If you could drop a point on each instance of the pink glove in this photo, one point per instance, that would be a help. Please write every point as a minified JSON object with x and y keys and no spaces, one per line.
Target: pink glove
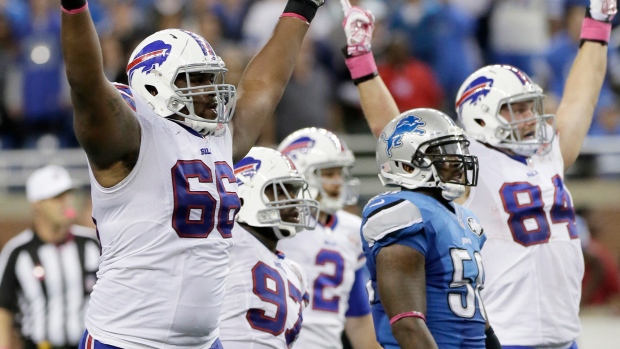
{"x":358,"y":25}
{"x":596,"y":25}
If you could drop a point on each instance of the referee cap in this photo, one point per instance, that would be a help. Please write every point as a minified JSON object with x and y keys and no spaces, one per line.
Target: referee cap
{"x":48,"y":182}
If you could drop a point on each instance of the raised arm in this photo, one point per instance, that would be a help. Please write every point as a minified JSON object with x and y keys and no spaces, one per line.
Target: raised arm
{"x":401,"y":281}
{"x":265,"y":78}
{"x":377,"y":102}
{"x":585,"y":80}
{"x":104,"y":124}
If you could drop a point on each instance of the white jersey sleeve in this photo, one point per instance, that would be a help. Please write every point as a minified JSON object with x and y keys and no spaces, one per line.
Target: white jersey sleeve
{"x":532,"y":256}
{"x":165,"y":236}
{"x":264,"y":297}
{"x":330,"y":256}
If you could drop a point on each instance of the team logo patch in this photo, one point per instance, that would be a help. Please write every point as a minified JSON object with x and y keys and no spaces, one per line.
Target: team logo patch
{"x":303,"y":145}
{"x":150,"y":57}
{"x":475,"y":226}
{"x":475,"y":91}
{"x":247,"y":167}
{"x":407,"y":125}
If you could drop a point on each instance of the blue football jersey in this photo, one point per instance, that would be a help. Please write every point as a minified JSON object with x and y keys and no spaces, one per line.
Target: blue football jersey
{"x":451,"y":243}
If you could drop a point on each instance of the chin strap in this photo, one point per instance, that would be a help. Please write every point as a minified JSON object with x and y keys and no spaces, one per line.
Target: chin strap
{"x":451,"y":191}
{"x":204,"y":128}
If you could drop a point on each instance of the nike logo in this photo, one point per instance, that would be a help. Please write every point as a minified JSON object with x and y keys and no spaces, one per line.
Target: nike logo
{"x":380,"y":202}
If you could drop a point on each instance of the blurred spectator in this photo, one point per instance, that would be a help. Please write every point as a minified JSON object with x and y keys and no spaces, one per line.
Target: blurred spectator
{"x":308,"y":99}
{"x":442,"y":35}
{"x":601,"y":280}
{"x":519,"y":33}
{"x":411,"y":82}
{"x":114,"y":63}
{"x":36,"y":89}
{"x":559,"y":58}
{"x":232,"y":14}
{"x":9,"y":131}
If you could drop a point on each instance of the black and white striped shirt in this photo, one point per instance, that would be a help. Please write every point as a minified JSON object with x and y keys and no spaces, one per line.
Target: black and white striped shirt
{"x":47,"y":286}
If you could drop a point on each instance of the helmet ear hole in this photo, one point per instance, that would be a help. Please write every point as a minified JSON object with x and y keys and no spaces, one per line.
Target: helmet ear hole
{"x":152,"y":90}
{"x":480,"y":122}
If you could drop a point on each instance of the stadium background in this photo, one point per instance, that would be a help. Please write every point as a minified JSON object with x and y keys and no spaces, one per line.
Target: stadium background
{"x":425,"y":49}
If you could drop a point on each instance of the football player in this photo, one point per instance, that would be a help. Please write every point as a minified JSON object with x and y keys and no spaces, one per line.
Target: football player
{"x":160,"y":153}
{"x":533,"y":256}
{"x":331,"y":254}
{"x":423,"y":250}
{"x":265,"y":291}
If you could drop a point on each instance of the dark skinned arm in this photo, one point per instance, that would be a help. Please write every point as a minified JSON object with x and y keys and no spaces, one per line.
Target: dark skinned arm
{"x":104,"y":124}
{"x":263,"y":82}
{"x":401,"y":280}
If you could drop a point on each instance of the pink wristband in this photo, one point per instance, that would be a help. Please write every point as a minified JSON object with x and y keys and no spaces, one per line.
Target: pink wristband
{"x":360,"y":66}
{"x":591,"y":29}
{"x":295,"y":15}
{"x":76,"y":11}
{"x":407,"y":314}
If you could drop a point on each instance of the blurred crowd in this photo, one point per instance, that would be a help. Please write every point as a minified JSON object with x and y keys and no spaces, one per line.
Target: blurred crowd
{"x":424,"y":49}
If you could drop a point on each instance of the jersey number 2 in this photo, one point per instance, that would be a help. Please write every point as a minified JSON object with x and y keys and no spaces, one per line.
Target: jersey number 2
{"x":323,"y":281}
{"x":528,"y":220}
{"x":195,"y":207}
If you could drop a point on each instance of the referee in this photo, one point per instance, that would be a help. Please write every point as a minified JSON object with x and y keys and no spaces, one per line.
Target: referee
{"x":47,"y":272}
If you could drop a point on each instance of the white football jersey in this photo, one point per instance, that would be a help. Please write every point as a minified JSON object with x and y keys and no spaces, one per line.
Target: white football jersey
{"x":532,"y":257}
{"x":264,"y":297}
{"x":165,"y":235}
{"x":330,"y":256}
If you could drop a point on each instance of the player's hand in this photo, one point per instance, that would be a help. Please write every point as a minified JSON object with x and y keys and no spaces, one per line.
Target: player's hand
{"x":602,"y":10}
{"x":358,"y":25}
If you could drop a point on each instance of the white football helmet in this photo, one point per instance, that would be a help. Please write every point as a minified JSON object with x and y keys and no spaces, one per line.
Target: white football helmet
{"x":415,"y":146}
{"x":157,"y":62}
{"x":265,"y":172}
{"x":480,"y":99}
{"x":314,"y":149}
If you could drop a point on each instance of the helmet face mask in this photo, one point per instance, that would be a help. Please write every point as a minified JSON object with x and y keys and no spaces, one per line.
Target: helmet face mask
{"x":335,"y":187}
{"x":326,"y":162}
{"x":525,"y":134}
{"x":449,"y":156}
{"x":170,"y":57}
{"x":423,"y":148}
{"x":494,"y":105}
{"x":274,"y":194}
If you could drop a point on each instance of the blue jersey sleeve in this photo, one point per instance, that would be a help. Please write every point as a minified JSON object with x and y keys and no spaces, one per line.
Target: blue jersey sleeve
{"x":393,"y":220}
{"x":358,"y":298}
{"x":413,"y":236}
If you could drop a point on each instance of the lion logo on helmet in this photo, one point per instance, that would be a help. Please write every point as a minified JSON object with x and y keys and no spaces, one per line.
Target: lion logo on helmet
{"x":407,"y":125}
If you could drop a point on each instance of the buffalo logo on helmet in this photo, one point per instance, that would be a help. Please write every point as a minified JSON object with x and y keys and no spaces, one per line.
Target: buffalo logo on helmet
{"x":475,"y":91}
{"x":303,"y":145}
{"x":247,"y":167}
{"x":406,"y":125}
{"x":150,"y":57}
